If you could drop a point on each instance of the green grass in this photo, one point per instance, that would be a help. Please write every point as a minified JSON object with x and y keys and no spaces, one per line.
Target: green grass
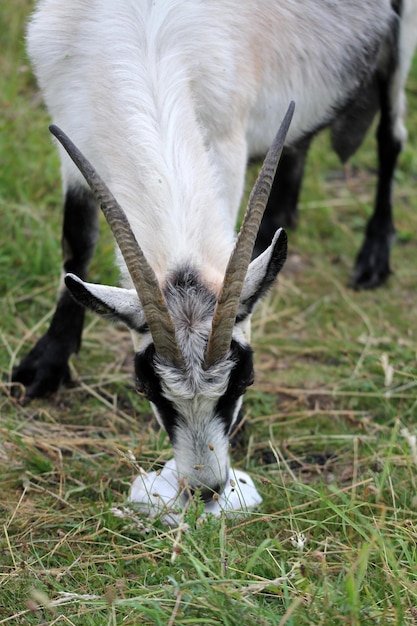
{"x":328,"y":440}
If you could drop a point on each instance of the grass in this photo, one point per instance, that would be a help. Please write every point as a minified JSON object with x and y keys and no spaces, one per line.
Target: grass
{"x":329,"y":440}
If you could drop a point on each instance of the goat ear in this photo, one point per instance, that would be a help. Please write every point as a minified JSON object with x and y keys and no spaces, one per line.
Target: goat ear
{"x":261,"y":274}
{"x":112,"y":303}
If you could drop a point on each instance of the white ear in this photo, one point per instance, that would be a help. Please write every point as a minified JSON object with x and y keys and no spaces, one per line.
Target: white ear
{"x":113,"y":303}
{"x":262,"y":273}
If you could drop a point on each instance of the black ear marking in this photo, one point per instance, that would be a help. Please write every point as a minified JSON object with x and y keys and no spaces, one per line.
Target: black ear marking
{"x":81,"y":294}
{"x":93,"y":297}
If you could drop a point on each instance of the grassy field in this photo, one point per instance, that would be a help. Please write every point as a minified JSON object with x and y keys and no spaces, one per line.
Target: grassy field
{"x":330,"y":435}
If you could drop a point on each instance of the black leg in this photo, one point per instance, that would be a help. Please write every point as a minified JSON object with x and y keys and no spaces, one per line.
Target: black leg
{"x":281,"y":209}
{"x":46,"y":365}
{"x":372,"y":266}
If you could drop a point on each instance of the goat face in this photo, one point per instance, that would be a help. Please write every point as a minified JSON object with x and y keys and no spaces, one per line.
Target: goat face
{"x":196,"y":404}
{"x":199,"y":422}
{"x":192,"y":359}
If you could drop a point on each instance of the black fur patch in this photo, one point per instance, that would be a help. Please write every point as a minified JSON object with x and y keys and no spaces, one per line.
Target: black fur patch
{"x":397,"y":6}
{"x":148,"y":383}
{"x":79,"y":231}
{"x":281,"y":209}
{"x":185,"y":278}
{"x":241,"y":377}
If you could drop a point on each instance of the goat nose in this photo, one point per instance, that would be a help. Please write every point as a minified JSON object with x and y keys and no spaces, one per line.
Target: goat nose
{"x":205,"y":493}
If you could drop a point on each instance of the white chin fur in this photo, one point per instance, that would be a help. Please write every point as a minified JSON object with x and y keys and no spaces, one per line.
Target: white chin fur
{"x":158,"y":493}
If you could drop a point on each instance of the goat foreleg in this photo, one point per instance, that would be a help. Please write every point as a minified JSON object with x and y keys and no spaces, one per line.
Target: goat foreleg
{"x":45,"y":367}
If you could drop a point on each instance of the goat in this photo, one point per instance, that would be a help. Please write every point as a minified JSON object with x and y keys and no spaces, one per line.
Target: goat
{"x":167,"y":99}
{"x":383,"y":90}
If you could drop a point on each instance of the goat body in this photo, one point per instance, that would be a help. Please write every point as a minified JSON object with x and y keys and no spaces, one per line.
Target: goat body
{"x":167,"y":99}
{"x":381,"y":90}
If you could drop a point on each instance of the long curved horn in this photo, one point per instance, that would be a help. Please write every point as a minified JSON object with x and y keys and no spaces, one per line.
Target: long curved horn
{"x":144,"y":279}
{"x":228,"y":300}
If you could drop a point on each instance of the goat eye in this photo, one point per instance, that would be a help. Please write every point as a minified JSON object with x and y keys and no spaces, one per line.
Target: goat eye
{"x":250,"y":380}
{"x":243,"y":385}
{"x":145,"y":388}
{"x":147,"y":382}
{"x":140,"y":387}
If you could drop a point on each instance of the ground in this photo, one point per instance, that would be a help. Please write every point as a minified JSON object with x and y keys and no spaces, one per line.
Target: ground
{"x":330,"y":427}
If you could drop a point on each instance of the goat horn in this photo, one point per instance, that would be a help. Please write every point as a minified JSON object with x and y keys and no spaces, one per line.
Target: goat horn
{"x":143,"y":276}
{"x":228,"y":300}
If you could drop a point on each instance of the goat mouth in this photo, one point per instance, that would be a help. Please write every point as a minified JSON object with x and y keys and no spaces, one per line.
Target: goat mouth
{"x":206,"y":494}
{"x":202,"y":491}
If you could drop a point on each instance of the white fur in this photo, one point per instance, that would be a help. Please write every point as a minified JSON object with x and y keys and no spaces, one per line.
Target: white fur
{"x":167,"y":98}
{"x":159,"y":493}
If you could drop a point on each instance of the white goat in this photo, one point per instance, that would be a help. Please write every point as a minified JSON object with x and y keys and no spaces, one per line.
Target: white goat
{"x":167,"y":98}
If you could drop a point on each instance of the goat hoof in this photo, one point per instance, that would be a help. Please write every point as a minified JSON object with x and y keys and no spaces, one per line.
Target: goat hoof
{"x":39,"y":381}
{"x":372,"y":267}
{"x":369,"y":277}
{"x":41,"y":371}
